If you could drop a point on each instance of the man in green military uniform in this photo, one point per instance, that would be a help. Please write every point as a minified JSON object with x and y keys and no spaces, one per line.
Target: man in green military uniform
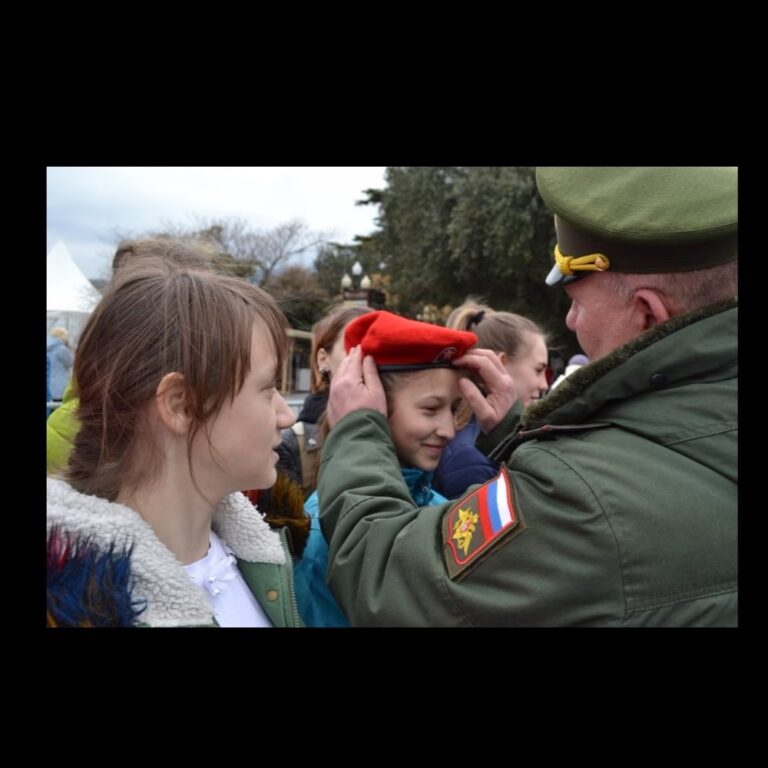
{"x":616,"y":502}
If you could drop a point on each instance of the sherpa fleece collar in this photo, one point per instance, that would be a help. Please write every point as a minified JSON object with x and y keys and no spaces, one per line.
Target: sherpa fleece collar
{"x":172,"y":598}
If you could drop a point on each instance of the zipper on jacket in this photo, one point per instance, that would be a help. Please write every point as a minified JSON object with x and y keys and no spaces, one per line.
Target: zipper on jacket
{"x":289,"y":573}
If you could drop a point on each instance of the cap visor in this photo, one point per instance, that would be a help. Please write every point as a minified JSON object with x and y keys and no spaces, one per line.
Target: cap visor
{"x":556,"y":277}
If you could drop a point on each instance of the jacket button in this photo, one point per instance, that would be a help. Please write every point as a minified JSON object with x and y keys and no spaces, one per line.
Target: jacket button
{"x":272,"y":595}
{"x":658,"y":379}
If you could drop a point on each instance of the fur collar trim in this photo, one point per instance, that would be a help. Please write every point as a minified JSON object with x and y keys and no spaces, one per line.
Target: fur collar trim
{"x":172,"y":598}
{"x":243,"y":528}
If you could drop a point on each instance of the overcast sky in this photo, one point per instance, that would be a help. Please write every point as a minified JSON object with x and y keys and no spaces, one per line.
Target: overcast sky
{"x":86,"y":206}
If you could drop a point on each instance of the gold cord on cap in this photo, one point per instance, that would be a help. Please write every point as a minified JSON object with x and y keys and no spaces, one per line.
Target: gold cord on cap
{"x":592,"y":262}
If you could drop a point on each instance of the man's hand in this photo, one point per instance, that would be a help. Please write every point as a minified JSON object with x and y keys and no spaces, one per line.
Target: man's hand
{"x":492,"y":409}
{"x":355,"y":385}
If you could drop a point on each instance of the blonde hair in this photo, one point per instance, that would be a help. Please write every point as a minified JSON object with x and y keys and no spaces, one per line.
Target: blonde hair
{"x":157,"y":318}
{"x":183,"y":253}
{"x":60,"y":333}
{"x":497,"y":331}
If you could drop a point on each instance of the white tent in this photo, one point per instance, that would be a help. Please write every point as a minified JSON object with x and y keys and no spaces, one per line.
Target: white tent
{"x":70,"y":295}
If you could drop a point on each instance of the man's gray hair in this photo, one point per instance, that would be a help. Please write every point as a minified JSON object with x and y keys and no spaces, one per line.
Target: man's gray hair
{"x":684,"y":291}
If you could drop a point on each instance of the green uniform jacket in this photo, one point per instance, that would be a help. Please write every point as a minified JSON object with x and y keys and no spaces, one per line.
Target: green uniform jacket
{"x":624,"y":483}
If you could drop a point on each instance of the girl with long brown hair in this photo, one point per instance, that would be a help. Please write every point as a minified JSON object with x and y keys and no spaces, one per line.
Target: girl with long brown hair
{"x":176,"y":372}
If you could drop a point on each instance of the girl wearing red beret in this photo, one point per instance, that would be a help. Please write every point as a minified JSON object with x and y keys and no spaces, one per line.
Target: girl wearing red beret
{"x":423,"y":397}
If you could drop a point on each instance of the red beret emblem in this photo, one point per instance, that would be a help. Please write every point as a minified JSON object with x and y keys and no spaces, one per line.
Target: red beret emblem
{"x":447,"y":354}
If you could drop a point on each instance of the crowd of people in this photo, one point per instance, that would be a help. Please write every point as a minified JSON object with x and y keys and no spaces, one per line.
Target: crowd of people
{"x":433,"y":477}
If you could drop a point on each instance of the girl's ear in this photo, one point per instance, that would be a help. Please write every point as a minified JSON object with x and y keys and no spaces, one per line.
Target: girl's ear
{"x":322,"y":360}
{"x":171,"y":401}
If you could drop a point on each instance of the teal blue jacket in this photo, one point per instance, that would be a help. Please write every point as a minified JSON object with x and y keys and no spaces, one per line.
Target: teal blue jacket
{"x":624,"y":494}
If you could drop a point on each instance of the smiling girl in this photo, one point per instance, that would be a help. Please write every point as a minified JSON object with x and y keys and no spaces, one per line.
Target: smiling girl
{"x":423,"y":397}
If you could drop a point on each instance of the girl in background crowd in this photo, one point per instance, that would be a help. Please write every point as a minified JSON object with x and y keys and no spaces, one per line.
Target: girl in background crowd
{"x":327,"y":354}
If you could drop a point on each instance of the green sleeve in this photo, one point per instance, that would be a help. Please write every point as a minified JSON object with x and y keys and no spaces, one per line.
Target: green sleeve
{"x":560,"y":566}
{"x":385,"y":563}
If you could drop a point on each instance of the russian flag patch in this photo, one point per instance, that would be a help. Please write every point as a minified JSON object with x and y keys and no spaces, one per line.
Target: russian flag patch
{"x":475,"y":523}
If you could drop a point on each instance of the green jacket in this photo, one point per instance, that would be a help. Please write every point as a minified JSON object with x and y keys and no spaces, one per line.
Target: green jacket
{"x":623,"y":484}
{"x":62,"y":427}
{"x":273,"y":586}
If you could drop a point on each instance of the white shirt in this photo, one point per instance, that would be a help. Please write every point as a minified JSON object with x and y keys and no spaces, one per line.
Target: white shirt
{"x":220,"y":580}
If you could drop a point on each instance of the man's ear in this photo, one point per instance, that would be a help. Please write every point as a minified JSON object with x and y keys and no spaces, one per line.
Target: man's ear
{"x":650,"y":308}
{"x":171,"y":401}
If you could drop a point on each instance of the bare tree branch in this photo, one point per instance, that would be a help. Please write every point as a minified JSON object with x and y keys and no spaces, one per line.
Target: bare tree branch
{"x":256,"y":254}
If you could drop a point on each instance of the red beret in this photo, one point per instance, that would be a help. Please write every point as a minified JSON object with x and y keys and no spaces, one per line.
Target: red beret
{"x":399,"y":344}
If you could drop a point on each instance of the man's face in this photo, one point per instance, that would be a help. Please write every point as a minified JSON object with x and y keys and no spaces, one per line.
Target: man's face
{"x":601,"y":320}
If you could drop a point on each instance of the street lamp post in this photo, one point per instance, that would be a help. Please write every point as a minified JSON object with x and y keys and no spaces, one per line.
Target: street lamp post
{"x":357,"y":291}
